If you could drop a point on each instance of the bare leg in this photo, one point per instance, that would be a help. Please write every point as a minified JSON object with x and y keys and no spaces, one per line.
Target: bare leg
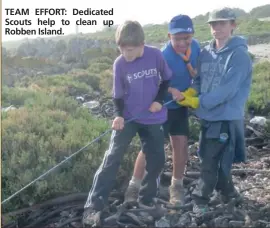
{"x":132,"y":192}
{"x":139,"y":167}
{"x":180,"y":155}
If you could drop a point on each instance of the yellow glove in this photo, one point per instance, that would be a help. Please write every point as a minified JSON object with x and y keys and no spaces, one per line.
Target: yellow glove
{"x":190,"y":92}
{"x":192,"y":102}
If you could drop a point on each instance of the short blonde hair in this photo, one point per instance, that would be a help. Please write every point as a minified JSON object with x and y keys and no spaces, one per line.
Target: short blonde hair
{"x":130,"y":33}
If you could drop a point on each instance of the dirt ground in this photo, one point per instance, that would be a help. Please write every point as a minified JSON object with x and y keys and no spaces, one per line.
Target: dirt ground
{"x":251,"y":179}
{"x":261,"y":51}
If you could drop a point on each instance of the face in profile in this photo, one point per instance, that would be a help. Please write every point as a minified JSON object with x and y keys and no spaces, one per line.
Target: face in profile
{"x":181,"y":41}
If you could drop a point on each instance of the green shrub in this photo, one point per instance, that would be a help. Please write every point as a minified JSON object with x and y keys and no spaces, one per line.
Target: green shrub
{"x":37,"y":138}
{"x":260,"y":91}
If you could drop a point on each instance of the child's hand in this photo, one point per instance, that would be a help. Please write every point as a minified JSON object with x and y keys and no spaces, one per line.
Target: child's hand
{"x":155,"y":107}
{"x":118,"y":123}
{"x":176,"y":94}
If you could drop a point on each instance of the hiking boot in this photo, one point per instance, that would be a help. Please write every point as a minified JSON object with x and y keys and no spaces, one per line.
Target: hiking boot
{"x":177,"y":194}
{"x":235,"y":195}
{"x":218,"y":197}
{"x":200,"y":209}
{"x":132,"y":193}
{"x":90,"y":217}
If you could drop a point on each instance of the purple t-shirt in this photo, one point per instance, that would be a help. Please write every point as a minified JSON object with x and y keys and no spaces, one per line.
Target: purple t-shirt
{"x":137,"y":82}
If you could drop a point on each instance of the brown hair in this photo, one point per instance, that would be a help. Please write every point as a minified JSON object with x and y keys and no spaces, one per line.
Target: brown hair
{"x":130,"y":33}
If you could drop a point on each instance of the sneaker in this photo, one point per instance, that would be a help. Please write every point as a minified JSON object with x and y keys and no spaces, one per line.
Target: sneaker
{"x":200,"y":209}
{"x":177,"y":194}
{"x":90,"y":217}
{"x":132,"y":193}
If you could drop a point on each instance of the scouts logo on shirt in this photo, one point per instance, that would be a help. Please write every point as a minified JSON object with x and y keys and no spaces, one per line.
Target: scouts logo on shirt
{"x":142,"y":74}
{"x":129,"y":77}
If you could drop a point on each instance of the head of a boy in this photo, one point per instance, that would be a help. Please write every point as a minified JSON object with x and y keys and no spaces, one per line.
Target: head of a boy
{"x":222,"y":23}
{"x":130,"y":38}
{"x":180,"y":33}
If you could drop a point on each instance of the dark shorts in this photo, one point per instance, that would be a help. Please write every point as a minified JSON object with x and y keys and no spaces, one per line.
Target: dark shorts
{"x":177,"y":122}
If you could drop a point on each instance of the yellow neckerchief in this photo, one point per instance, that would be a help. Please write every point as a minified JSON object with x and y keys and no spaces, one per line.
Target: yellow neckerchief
{"x":186,"y":57}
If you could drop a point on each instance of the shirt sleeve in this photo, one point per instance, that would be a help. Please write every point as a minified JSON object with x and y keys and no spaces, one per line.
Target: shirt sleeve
{"x":163,"y":90}
{"x":118,"y":107}
{"x":118,"y":83}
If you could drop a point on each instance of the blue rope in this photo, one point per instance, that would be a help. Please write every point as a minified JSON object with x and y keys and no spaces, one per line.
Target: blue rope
{"x":72,"y":155}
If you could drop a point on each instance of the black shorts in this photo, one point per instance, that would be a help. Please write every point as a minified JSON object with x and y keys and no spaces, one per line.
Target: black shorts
{"x":177,"y":122}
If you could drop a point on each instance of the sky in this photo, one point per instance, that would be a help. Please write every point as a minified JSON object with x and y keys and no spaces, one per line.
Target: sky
{"x":145,"y":11}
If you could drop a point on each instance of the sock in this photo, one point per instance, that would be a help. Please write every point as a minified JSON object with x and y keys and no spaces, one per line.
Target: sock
{"x":176,"y":181}
{"x":135,"y":182}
